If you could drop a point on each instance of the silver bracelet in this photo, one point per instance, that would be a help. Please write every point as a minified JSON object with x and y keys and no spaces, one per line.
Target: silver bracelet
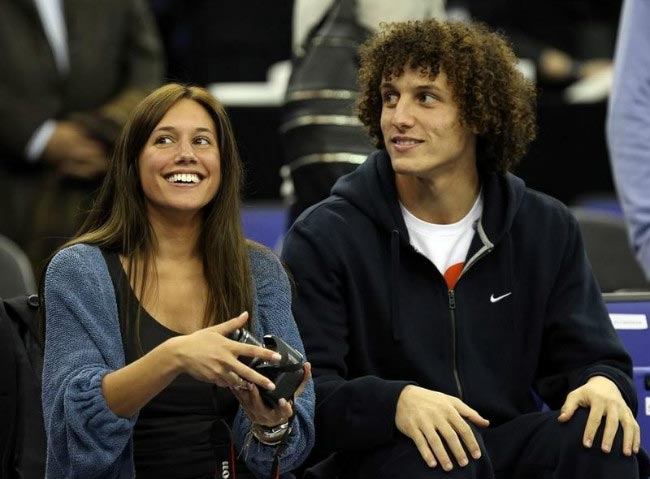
{"x":271,"y":436}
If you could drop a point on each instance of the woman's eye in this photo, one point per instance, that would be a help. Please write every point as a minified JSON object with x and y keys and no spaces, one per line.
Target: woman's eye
{"x":162,"y":140}
{"x":202,"y":140}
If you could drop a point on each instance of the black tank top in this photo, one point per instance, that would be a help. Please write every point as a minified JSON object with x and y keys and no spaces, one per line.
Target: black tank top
{"x":183,"y":432}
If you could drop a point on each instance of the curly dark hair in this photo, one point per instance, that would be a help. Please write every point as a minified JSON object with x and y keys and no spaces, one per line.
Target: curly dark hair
{"x":493,"y":97}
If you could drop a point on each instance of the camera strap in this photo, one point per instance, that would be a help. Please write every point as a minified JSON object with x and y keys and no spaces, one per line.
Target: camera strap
{"x":226,"y":455}
{"x":281,"y":447}
{"x":226,"y":464}
{"x":224,"y":451}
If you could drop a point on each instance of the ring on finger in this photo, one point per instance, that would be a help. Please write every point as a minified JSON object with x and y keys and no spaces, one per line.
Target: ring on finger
{"x":243,"y":384}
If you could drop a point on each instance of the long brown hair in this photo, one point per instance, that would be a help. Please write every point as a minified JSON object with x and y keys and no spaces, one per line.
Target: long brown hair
{"x":117,"y":220}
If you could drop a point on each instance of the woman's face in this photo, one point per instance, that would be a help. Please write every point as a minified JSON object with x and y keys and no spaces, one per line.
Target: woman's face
{"x":180,"y":167}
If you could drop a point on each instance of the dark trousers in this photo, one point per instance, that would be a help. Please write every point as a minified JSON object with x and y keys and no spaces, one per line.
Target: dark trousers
{"x":533,"y":446}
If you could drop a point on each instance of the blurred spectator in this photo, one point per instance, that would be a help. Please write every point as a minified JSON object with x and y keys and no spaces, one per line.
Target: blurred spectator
{"x":71,"y":72}
{"x":322,"y":136}
{"x":370,"y":13}
{"x":570,"y":44}
{"x":628,"y":124}
{"x":566,"y":40}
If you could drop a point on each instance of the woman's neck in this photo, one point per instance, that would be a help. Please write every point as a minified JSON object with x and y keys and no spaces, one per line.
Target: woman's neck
{"x":176,"y":236}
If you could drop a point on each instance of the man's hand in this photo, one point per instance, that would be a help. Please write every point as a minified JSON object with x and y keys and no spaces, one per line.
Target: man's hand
{"x":604,"y":400}
{"x":74,"y":153}
{"x":428,"y":417}
{"x":555,"y":64}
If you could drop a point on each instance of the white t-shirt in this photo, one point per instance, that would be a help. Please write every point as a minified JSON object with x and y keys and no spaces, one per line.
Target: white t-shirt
{"x":445,"y":246}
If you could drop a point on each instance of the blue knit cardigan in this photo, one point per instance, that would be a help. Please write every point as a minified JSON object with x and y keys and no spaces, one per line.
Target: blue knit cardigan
{"x":83,"y":343}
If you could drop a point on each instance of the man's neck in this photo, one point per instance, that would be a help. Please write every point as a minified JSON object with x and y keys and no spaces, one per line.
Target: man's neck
{"x":443,"y":199}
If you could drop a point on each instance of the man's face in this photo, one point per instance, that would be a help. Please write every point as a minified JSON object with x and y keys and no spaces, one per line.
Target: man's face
{"x":420,"y":121}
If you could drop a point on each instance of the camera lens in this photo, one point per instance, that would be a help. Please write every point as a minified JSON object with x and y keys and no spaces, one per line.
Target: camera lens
{"x":287,"y":374}
{"x":243,"y":336}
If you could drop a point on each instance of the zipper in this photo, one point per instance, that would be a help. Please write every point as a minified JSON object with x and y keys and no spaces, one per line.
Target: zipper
{"x":487,"y":247}
{"x":452,"y":312}
{"x":480,"y":254}
{"x":451,"y":294}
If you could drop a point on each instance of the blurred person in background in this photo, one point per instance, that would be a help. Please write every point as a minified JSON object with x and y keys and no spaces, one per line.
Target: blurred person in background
{"x":71,"y":72}
{"x":628,"y":125}
{"x":370,"y":13}
{"x":567,"y":48}
{"x":566,"y":41}
{"x":322,"y":138}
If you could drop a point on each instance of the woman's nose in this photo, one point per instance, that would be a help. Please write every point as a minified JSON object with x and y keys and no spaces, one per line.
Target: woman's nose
{"x":186,"y":152}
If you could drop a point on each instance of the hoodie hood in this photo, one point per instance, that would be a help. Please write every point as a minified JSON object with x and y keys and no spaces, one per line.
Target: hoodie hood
{"x":371,"y":188}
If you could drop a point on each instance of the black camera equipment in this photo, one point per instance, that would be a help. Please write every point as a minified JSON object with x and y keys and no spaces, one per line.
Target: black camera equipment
{"x":286,"y":374}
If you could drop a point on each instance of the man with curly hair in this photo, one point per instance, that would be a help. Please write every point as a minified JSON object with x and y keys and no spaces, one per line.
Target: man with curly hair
{"x":440,"y":300}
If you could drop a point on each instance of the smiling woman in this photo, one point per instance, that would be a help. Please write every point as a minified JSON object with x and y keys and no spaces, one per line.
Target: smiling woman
{"x":140,"y":307}
{"x":179,"y":164}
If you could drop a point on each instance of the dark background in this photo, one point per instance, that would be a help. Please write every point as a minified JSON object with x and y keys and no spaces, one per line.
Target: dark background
{"x":210,"y":41}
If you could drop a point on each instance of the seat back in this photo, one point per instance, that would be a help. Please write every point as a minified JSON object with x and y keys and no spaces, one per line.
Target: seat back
{"x":22,"y":432}
{"x":608,"y":249}
{"x":629,"y":312}
{"x":16,"y":273}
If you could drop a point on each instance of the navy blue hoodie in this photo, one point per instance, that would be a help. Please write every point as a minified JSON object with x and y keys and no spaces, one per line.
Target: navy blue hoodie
{"x":376,"y":315}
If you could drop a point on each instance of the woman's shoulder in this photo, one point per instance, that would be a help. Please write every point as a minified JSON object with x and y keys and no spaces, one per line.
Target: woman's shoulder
{"x":268,"y":273}
{"x":262,"y":259}
{"x":75,"y":258}
{"x":78,"y":251}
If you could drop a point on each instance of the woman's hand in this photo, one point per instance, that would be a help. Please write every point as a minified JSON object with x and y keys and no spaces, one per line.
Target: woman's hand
{"x":208,"y":355}
{"x":250,"y":399}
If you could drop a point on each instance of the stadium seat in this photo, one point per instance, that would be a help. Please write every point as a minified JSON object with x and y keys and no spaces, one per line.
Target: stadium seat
{"x":629,"y":312}
{"x":16,"y":274}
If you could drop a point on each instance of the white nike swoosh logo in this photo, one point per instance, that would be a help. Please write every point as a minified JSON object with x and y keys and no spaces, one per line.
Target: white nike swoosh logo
{"x":499,"y":298}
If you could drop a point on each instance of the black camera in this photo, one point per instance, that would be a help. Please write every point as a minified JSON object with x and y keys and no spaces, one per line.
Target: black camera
{"x":286,"y":374}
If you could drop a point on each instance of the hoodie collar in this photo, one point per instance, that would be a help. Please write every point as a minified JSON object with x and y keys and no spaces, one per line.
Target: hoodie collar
{"x":371,"y":188}
{"x":502,"y":197}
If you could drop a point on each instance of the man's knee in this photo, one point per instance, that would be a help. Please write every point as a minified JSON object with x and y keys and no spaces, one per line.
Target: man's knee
{"x":582,"y":461}
{"x":402,"y":459}
{"x":574,"y":435}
